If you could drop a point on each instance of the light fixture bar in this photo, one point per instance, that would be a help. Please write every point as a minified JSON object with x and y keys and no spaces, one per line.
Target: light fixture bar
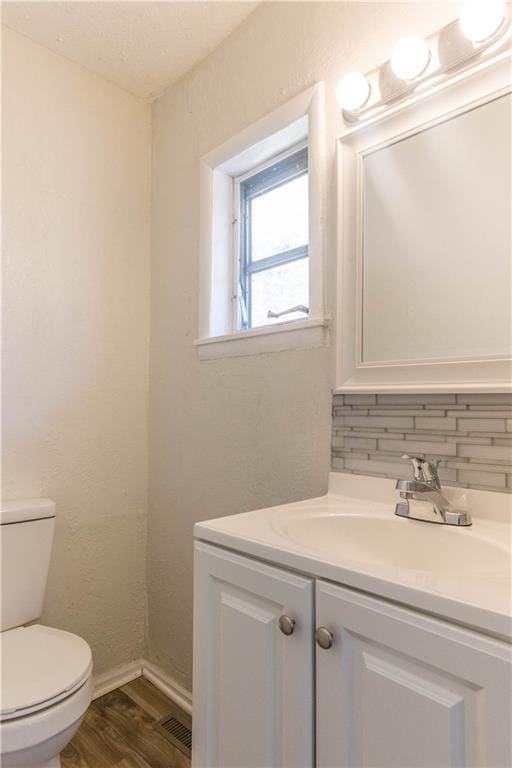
{"x":418,"y":64}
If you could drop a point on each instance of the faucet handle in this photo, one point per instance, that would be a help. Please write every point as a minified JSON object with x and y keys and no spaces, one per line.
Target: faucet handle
{"x":425,"y":470}
{"x":417,"y":463}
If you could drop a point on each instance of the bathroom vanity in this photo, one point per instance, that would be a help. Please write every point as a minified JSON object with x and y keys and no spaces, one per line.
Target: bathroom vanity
{"x":331,"y":632}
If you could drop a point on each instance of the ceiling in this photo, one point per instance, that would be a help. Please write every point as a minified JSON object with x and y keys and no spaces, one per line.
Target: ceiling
{"x":141,"y":46}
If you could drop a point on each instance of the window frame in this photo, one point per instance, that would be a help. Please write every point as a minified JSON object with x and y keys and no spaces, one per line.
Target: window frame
{"x":302,"y":117}
{"x":274,"y":173}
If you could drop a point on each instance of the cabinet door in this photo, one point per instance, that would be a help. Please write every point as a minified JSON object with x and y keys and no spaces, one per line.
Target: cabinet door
{"x":398,"y":689}
{"x":253,"y":685}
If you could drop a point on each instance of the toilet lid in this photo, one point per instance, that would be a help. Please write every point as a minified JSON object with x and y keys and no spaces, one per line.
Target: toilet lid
{"x":40,"y":664}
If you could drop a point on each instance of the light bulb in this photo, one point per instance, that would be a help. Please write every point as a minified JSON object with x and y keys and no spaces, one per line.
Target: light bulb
{"x":353,"y":91}
{"x":410,"y":57}
{"x":480,"y":19}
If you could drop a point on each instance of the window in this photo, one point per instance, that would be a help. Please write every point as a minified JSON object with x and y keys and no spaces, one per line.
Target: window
{"x":261,"y":234}
{"x":272,"y":248}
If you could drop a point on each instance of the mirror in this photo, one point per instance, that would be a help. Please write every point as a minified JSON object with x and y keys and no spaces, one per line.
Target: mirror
{"x":425,"y":295}
{"x":436,"y":241}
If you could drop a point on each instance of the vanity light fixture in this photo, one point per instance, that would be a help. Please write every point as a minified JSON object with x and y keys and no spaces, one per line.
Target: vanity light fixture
{"x":410,"y":57}
{"x":482,"y":33}
{"x":353,"y":91}
{"x":481,"y":19}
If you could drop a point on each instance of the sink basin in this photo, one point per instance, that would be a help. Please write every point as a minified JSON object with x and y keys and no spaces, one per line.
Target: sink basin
{"x":350,"y":536}
{"x":397,"y":543}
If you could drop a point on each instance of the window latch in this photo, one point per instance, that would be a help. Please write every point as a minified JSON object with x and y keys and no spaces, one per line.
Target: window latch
{"x":297,"y":308}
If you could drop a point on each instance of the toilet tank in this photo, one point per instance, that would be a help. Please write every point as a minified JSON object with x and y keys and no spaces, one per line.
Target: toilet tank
{"x":26,"y":536}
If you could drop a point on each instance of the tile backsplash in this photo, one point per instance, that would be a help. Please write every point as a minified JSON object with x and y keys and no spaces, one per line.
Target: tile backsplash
{"x":471,"y":434}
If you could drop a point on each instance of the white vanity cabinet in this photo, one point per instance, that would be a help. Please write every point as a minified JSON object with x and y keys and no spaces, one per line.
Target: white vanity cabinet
{"x":392,"y":688}
{"x":253,"y":684}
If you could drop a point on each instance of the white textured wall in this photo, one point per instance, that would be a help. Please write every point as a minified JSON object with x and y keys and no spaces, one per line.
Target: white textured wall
{"x":238,"y":434}
{"x":76,"y":191}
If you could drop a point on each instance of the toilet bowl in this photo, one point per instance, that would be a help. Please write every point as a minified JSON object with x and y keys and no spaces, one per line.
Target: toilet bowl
{"x":46,"y":680}
{"x":46,"y":689}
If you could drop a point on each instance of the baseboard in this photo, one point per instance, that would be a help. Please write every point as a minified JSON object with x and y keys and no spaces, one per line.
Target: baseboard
{"x":116,"y":677}
{"x":125,"y":673}
{"x":179,"y":695}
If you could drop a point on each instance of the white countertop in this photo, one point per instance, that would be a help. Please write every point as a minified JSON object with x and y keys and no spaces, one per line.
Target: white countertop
{"x":478,"y":595}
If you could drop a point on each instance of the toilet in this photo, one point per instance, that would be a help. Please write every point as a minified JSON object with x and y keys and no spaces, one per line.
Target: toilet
{"x":46,"y":673}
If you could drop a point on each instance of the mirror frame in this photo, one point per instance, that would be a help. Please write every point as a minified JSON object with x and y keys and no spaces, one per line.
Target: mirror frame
{"x":447,"y":100}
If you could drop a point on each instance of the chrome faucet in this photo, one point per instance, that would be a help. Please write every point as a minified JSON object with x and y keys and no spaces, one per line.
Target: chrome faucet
{"x":426,"y":486}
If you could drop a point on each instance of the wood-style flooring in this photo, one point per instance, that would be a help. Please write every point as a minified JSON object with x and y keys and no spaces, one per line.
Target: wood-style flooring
{"x":117,"y":732}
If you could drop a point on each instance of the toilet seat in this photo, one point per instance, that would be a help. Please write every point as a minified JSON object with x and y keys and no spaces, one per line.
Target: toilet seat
{"x":40,"y":667}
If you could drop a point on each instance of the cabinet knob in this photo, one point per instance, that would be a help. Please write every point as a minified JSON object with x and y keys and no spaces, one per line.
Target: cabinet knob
{"x":286,"y":625}
{"x":324,"y":638}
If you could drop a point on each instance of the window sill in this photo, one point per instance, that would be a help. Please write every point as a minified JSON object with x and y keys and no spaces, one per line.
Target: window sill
{"x":294,"y":334}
